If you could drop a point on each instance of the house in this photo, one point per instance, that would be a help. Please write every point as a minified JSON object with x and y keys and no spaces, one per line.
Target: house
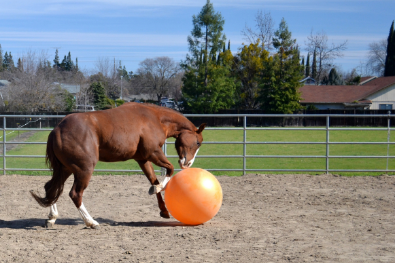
{"x":72,"y":88}
{"x":374,"y":93}
{"x":308,"y":81}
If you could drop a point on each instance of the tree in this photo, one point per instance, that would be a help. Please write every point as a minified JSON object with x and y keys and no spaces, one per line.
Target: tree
{"x":314,"y":67}
{"x":377,"y":57}
{"x":100,"y":99}
{"x":157,"y":75}
{"x":333,"y":78}
{"x":264,"y":25}
{"x":1,"y":59}
{"x":206,"y":36}
{"x":247,"y":67}
{"x":389,"y":69}
{"x":307,"y":71}
{"x":56,"y":60}
{"x":207,"y":84}
{"x":281,"y":78}
{"x":325,"y":53}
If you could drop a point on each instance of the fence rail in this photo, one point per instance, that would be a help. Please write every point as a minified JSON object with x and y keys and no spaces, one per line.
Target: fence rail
{"x":245,"y":128}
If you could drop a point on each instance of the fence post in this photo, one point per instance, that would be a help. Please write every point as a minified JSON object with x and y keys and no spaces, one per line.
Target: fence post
{"x":4,"y":146}
{"x":244,"y":144}
{"x":388,"y":139}
{"x":327,"y":144}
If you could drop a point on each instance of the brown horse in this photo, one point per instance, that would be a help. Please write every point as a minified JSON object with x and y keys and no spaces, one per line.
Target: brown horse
{"x":131,"y":131}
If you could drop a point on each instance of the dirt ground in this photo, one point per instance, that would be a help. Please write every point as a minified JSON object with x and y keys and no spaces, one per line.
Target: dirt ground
{"x":264,"y":218}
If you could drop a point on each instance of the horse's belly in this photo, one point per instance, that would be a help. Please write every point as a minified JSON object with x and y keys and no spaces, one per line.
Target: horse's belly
{"x":115,"y":156}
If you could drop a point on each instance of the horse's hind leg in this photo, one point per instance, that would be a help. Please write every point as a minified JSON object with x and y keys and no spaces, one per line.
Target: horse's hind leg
{"x":81,"y":182}
{"x":53,"y":215}
{"x":148,"y":170}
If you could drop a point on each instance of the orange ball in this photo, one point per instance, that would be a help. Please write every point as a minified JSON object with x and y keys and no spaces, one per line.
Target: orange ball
{"x":193,"y":196}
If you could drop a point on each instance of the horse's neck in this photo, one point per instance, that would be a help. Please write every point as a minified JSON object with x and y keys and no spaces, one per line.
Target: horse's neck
{"x":175,"y":123}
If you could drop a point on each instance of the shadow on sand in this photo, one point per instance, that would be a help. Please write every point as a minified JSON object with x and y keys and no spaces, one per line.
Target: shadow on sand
{"x":34,"y":223}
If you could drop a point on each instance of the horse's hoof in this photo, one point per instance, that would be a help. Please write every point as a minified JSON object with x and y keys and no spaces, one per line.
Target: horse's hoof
{"x":165,"y":214}
{"x":154,"y":189}
{"x":95,"y":227}
{"x":49,"y":224}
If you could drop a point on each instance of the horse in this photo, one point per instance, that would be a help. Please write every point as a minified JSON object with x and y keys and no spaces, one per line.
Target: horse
{"x":131,"y":131}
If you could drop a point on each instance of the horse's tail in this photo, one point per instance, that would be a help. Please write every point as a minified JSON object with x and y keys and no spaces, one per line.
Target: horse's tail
{"x":54,"y":187}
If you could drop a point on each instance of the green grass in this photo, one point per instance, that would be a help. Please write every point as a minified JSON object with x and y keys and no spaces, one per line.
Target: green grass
{"x":253,"y":149}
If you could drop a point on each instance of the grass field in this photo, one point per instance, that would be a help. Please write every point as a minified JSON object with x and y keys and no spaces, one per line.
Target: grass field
{"x":254,"y":149}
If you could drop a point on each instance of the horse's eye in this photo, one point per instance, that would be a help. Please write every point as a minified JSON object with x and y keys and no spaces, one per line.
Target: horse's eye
{"x":198,"y":143}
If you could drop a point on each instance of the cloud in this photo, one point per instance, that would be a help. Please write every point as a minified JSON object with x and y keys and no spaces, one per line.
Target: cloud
{"x":96,"y":39}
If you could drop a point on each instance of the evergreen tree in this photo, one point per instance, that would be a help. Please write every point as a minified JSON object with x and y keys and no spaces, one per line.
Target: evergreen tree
{"x":63,"y":64}
{"x":208,"y":86}
{"x":307,"y":71}
{"x":11,"y":64}
{"x":20,"y":65}
{"x":229,"y":45}
{"x":76,"y":64}
{"x":314,"y":66}
{"x":99,"y":95}
{"x":6,"y":62}
{"x":389,"y":69}
{"x":206,"y":35}
{"x":333,"y":79}
{"x":281,"y":78}
{"x":56,"y":60}
{"x":1,"y":59}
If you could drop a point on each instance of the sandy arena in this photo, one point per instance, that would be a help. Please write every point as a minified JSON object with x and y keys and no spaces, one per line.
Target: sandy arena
{"x":264,"y":218}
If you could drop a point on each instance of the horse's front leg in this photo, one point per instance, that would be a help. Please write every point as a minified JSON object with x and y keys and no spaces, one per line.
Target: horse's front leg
{"x":159,"y":159}
{"x":148,"y":170}
{"x":53,"y":215}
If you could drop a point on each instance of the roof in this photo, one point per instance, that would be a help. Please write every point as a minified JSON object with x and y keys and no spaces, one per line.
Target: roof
{"x":344,"y":93}
{"x":334,"y":94}
{"x":364,"y":80}
{"x":72,"y":88}
{"x":382,"y":82}
{"x":4,"y":82}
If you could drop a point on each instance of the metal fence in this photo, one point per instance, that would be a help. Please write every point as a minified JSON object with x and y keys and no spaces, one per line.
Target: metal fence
{"x":245,"y":128}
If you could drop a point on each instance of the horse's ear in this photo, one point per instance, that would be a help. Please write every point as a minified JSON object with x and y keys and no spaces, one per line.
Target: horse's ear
{"x":201,"y":128}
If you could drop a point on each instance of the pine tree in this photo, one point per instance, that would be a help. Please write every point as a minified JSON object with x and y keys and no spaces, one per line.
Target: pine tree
{"x":6,"y":61}
{"x":307,"y":71}
{"x":314,"y":66}
{"x":1,"y":59}
{"x":20,"y":65}
{"x":389,"y":69}
{"x":334,"y":78}
{"x":207,"y":86}
{"x":64,"y":63}
{"x":280,"y":80}
{"x":76,"y":64}
{"x":11,"y":64}
{"x":56,"y":60}
{"x":229,"y":45}
{"x":99,"y":95}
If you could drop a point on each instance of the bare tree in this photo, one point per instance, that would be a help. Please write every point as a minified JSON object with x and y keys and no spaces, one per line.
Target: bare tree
{"x":104,"y":66}
{"x":376,"y":57}
{"x":264,"y":30}
{"x":325,"y":52}
{"x":158,"y":75}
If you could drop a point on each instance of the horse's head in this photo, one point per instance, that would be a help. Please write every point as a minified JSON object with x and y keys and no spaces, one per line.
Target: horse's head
{"x":187,"y":146}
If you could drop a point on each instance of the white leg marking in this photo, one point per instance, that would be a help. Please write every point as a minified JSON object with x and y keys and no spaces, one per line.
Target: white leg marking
{"x":165,"y":181}
{"x":53,"y":214}
{"x":89,"y":222}
{"x":160,"y":187}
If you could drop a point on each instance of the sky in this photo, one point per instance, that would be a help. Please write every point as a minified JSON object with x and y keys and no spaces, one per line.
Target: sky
{"x":131,"y":31}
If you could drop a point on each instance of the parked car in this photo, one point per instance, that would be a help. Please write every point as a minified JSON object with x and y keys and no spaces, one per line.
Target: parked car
{"x":83,"y":108}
